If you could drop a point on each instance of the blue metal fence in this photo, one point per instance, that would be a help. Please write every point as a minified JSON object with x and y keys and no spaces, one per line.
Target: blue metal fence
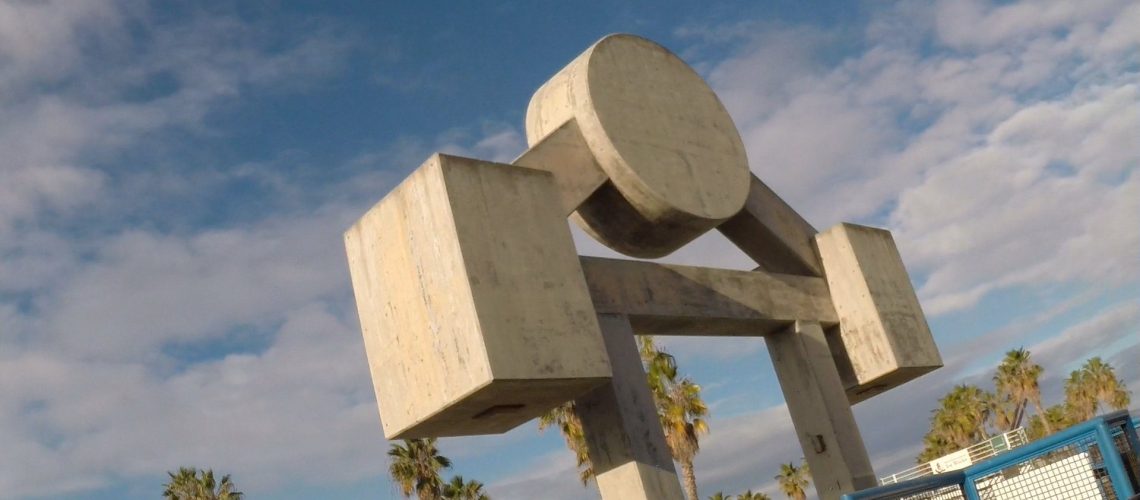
{"x":1097,"y":459}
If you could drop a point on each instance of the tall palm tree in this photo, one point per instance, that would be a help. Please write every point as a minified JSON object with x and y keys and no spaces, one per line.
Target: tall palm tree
{"x":566,"y":419}
{"x":973,"y":405}
{"x":192,"y":484}
{"x":794,"y":480}
{"x":1004,"y":413}
{"x":459,"y":489}
{"x":1108,"y":388}
{"x":1017,"y":377}
{"x":1080,"y":400}
{"x":415,"y":467}
{"x":683,"y":413}
{"x":680,"y":408}
{"x":1095,"y":383}
{"x":959,"y":421}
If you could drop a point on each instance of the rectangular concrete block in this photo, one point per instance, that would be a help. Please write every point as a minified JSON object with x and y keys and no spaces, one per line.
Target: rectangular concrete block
{"x":882,"y":330}
{"x":474,"y":311}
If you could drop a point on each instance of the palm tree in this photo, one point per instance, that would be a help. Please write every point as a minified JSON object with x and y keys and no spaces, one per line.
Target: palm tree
{"x":1003,"y":411}
{"x":680,"y":408}
{"x":660,"y":366}
{"x":1080,"y":400}
{"x":1090,"y":386}
{"x":1016,"y":378}
{"x":794,"y":480}
{"x":1108,"y":388}
{"x":973,"y":405}
{"x":415,"y":467}
{"x":960,"y":421}
{"x":935,"y":445}
{"x":749,"y":495}
{"x":719,"y":496}
{"x":566,"y":419}
{"x":683,"y":414}
{"x":459,"y":489}
{"x":1056,"y":415}
{"x":191,"y":484}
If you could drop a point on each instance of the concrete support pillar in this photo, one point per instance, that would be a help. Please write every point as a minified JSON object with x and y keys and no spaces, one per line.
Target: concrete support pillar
{"x":820,"y":411}
{"x":627,"y":446}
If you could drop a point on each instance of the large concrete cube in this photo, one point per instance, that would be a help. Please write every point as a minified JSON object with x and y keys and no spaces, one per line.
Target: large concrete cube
{"x":474,"y":309}
{"x":882,"y":330}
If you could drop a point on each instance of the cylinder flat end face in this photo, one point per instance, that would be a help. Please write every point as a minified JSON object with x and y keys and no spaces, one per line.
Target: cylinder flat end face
{"x":660,"y":132}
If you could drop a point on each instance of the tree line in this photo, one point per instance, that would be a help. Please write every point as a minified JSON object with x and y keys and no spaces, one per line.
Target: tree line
{"x":792,"y":480}
{"x":415,"y":466}
{"x":969,"y":414}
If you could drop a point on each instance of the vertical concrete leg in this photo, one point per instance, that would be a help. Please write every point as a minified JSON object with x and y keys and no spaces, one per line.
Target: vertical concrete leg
{"x":820,"y":412}
{"x":624,"y":436}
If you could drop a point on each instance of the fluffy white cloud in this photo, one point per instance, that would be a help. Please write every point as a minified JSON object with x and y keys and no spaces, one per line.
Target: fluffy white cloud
{"x":1003,"y":156}
{"x":297,"y":410}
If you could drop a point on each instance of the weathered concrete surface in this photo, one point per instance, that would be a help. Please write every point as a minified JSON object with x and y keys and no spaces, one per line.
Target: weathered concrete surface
{"x":675,"y":161}
{"x":475,"y":314}
{"x":662,"y":299}
{"x":773,"y":234}
{"x":564,"y":153}
{"x":820,"y":411}
{"x":883,"y":330}
{"x":624,"y":436}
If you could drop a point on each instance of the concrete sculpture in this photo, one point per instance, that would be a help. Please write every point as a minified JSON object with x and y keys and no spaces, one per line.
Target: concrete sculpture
{"x":478,"y":314}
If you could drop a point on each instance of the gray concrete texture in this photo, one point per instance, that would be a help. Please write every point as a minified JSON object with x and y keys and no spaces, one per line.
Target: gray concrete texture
{"x":475,"y":314}
{"x":882,"y":330}
{"x":675,"y":164}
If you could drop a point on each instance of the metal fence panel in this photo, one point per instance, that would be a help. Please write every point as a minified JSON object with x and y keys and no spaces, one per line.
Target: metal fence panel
{"x":1071,"y":464}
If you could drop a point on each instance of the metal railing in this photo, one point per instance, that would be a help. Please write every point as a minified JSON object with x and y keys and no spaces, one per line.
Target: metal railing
{"x":1097,"y":459}
{"x":962,"y":458}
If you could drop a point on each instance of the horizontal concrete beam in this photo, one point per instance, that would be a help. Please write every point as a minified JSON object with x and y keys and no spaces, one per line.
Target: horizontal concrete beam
{"x":662,"y":299}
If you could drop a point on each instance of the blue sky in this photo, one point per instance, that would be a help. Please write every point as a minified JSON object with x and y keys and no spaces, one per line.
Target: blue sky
{"x":175,"y":177}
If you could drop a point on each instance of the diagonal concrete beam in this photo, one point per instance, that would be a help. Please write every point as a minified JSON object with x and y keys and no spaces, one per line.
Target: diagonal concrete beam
{"x":773,"y":234}
{"x":662,"y":299}
{"x":564,"y":153}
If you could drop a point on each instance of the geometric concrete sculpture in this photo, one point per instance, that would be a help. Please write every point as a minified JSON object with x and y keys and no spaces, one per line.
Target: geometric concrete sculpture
{"x":473,"y":306}
{"x":883,"y":329}
{"x":478,"y":314}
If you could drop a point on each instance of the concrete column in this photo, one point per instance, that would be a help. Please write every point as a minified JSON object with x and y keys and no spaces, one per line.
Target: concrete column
{"x":624,"y":436}
{"x":820,"y":412}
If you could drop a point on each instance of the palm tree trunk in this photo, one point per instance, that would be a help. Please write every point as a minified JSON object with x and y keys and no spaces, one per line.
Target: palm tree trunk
{"x":1019,"y":414}
{"x":690,"y":478}
{"x":1044,"y":418}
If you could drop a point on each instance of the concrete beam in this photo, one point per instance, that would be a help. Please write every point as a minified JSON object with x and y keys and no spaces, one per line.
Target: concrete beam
{"x":662,"y":299}
{"x":623,"y":434}
{"x":773,"y":234}
{"x":821,"y":413}
{"x":564,"y":153}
